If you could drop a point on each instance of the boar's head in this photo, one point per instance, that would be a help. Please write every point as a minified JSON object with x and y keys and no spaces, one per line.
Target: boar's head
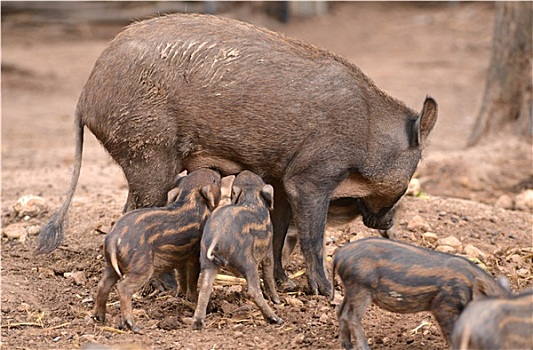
{"x":390,"y":166}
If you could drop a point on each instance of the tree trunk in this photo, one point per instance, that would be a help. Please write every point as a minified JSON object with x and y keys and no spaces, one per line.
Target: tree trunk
{"x":507,"y":103}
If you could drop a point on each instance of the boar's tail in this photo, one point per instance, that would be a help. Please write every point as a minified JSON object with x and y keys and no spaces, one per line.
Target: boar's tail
{"x":51,"y":235}
{"x":211,"y":252}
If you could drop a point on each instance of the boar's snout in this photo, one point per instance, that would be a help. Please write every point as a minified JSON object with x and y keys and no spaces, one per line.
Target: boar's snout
{"x":382,"y":220}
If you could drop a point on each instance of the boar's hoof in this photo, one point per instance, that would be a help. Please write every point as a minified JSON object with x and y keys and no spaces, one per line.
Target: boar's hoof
{"x":390,"y":233}
{"x":197,"y":325}
{"x":286,"y":286}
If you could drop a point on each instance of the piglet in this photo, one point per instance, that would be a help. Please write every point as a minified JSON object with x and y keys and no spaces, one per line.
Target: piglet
{"x":152,"y":241}
{"x":405,"y":278}
{"x":239,"y":237}
{"x":496,"y":323}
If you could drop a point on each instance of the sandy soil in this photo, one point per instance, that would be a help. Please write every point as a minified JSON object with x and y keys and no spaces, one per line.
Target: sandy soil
{"x":410,"y":50}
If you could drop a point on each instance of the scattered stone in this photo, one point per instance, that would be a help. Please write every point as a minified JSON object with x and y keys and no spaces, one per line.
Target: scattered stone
{"x":504,"y":201}
{"x":446,"y":249}
{"x":294,"y":302}
{"x":522,"y":273}
{"x":77,"y":276}
{"x":414,"y":187}
{"x":30,"y":206}
{"x":16,"y":231}
{"x":474,"y":252}
{"x":451,"y":241}
{"x":87,"y":338}
{"x":298,"y":339}
{"x":324,"y":318}
{"x":524,"y":201}
{"x":430,"y":237}
{"x":417,"y":223}
{"x":517,"y":259}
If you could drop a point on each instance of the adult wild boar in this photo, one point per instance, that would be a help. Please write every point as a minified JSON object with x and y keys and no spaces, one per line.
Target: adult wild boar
{"x":188,"y":91}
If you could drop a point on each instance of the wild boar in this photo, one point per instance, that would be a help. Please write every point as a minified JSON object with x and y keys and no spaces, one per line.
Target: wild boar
{"x":405,"y":278}
{"x":185,"y":91}
{"x":496,"y":323}
{"x":239,"y":237}
{"x":152,"y":241}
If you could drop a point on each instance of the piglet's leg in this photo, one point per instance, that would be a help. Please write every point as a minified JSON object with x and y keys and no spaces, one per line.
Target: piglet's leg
{"x":357,"y":300}
{"x":131,"y":282}
{"x":254,"y":290}
{"x":208,"y":278}
{"x":268,"y":277}
{"x":109,"y":279}
{"x":345,"y":314}
{"x":193,"y":273}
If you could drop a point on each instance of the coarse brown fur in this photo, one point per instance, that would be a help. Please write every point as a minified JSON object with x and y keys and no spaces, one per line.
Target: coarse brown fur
{"x":187,"y":91}
{"x":496,"y":323}
{"x":152,"y":241}
{"x":239,"y":237}
{"x":405,"y":278}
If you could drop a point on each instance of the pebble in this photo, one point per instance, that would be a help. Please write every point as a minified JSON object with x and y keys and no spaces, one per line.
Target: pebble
{"x":504,"y":201}
{"x":451,"y":241}
{"x":30,"y":206}
{"x":430,"y":237}
{"x":474,"y":252}
{"x":77,"y":276}
{"x":524,"y":201}
{"x":417,"y":223}
{"x":294,"y":302}
{"x":446,"y":249}
{"x":16,"y":231}
{"x":522,"y":273}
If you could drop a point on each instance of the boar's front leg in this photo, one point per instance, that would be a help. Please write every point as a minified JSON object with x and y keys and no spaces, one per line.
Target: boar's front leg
{"x":281,"y":218}
{"x":310,"y":200}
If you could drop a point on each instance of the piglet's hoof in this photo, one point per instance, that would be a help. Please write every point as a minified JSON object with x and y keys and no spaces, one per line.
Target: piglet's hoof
{"x":98,"y":318}
{"x":197,"y":325}
{"x":275,"y":320}
{"x":129,"y":324}
{"x":286,"y":286}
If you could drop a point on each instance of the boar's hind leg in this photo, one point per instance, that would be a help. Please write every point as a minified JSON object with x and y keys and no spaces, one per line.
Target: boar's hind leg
{"x":109,"y":279}
{"x":281,"y":218}
{"x":150,"y":176}
{"x":310,"y":206}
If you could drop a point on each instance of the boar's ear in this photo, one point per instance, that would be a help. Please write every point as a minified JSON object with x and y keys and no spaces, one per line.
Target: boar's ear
{"x":504,"y":283}
{"x":235,"y":193}
{"x":425,"y":122}
{"x":267,"y":192}
{"x":209,"y":194}
{"x":480,"y":289}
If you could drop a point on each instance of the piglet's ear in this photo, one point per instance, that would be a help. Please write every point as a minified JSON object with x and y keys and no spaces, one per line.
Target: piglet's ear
{"x":235,"y":193}
{"x":267,"y":192}
{"x":425,"y":122}
{"x":209,"y":194}
{"x":172,"y":195}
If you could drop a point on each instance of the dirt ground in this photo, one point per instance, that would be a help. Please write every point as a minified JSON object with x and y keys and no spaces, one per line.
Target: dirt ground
{"x":410,"y":50}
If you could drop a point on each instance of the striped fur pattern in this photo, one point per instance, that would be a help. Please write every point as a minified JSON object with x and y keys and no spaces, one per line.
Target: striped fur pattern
{"x":496,"y":323}
{"x":150,"y":241}
{"x":239,"y":238}
{"x":405,"y":278}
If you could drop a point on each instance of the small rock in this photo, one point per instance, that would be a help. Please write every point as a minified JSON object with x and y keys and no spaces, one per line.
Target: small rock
{"x":414,"y":187}
{"x":30,"y":205}
{"x":87,"y":338}
{"x":451,"y":241}
{"x":517,"y":259}
{"x":418,"y":223}
{"x":33,"y":229}
{"x":446,"y":249}
{"x":522,"y":273}
{"x":294,"y":302}
{"x":16,"y":231}
{"x":430,"y":237}
{"x":235,"y":289}
{"x":474,"y":252}
{"x":504,"y":201}
{"x":324,"y":318}
{"x":524,"y":201}
{"x":297,"y":340}
{"x":77,"y":276}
